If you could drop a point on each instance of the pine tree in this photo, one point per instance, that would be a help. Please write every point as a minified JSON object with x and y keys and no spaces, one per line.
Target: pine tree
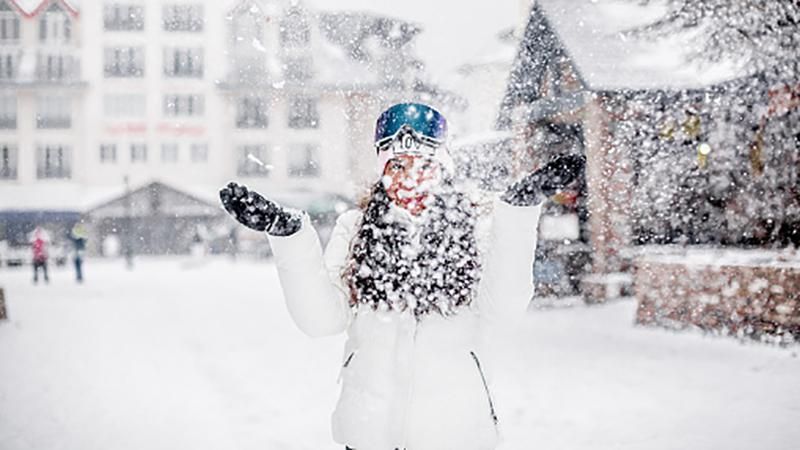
{"x":763,"y":35}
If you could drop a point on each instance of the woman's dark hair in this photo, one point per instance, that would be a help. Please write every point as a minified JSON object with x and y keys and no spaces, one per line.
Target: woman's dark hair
{"x":426,"y":265}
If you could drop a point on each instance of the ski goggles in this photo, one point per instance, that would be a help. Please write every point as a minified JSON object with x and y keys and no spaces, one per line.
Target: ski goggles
{"x":416,"y":121}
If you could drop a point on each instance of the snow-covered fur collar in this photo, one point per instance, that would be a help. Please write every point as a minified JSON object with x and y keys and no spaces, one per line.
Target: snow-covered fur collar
{"x":426,"y":264}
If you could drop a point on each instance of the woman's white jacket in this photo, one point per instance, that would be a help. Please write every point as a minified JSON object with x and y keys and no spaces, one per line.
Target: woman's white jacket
{"x":407,"y":383}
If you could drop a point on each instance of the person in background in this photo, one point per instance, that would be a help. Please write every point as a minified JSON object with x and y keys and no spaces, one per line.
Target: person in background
{"x":78,"y":236}
{"x":39,"y":240}
{"x":233,"y":242}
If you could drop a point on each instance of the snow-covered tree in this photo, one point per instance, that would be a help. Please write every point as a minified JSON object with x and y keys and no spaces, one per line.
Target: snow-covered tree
{"x":744,"y":191}
{"x":763,"y":35}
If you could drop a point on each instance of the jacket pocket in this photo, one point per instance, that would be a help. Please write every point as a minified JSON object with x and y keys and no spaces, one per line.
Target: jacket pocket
{"x":485,"y":387}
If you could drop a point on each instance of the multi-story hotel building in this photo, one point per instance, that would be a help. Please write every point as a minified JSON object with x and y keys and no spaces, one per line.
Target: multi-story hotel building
{"x":132,"y":113}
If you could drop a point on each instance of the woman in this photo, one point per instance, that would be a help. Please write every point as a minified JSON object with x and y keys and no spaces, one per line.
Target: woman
{"x":405,"y":278}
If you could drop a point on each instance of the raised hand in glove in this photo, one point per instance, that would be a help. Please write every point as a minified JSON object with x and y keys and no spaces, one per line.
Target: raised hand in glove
{"x":256,"y":212}
{"x":545,"y":182}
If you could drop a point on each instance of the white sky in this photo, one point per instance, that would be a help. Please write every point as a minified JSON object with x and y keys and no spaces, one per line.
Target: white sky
{"x":454,"y":31}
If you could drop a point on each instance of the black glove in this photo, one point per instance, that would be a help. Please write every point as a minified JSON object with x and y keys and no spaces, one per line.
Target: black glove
{"x":256,"y":212}
{"x":544,"y":182}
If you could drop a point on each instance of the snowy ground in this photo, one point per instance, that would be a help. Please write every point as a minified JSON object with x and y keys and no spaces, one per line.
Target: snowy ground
{"x":181,"y":355}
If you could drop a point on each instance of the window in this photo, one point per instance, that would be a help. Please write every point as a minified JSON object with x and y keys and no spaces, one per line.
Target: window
{"x":55,"y":25}
{"x":124,"y":62}
{"x":298,"y":69}
{"x":169,"y":152}
{"x":183,"y":105}
{"x":251,"y":112}
{"x":199,"y":153}
{"x":246,"y":26}
{"x":303,"y":113}
{"x":9,"y":65}
{"x":56,"y":67}
{"x":123,"y":17}
{"x":53,"y":161}
{"x":248,"y":166}
{"x":54,"y":112}
{"x":303,"y":160}
{"x":8,"y":112}
{"x":9,"y":24}
{"x":124,"y":105}
{"x":183,"y":17}
{"x":138,"y":153}
{"x":108,"y":153}
{"x":8,"y":162}
{"x":183,"y":62}
{"x":295,"y":31}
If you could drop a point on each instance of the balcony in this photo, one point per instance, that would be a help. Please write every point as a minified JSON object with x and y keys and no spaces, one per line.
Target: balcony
{"x":8,"y":123}
{"x":53,"y":122}
{"x":57,"y":68}
{"x":60,"y":67}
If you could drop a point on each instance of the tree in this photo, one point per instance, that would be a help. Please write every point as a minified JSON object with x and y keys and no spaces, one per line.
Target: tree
{"x":763,"y":34}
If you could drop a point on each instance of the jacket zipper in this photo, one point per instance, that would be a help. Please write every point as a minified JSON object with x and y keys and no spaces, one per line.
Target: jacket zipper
{"x":347,"y":361}
{"x":344,"y":366}
{"x":410,"y":392}
{"x":485,"y":387}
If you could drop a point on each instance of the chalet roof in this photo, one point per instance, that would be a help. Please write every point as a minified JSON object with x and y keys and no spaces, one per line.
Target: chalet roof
{"x":593,"y":34}
{"x":31,"y":8}
{"x":356,"y":51}
{"x":42,"y":197}
{"x":156,"y":197}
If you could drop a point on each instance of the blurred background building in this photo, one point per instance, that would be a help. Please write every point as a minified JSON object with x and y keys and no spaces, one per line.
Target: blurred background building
{"x":132,"y":114}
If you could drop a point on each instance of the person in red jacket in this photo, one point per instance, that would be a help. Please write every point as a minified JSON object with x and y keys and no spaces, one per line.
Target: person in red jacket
{"x":39,"y":242}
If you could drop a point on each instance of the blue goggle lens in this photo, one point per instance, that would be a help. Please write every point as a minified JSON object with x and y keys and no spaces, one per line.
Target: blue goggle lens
{"x":423,"y":119}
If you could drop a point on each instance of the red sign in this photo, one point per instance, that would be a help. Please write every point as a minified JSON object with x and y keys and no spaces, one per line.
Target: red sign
{"x":127,"y":128}
{"x":181,"y":130}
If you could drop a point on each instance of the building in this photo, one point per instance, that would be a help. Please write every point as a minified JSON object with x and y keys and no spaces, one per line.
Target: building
{"x":103,"y":101}
{"x":42,"y":91}
{"x":646,"y":121}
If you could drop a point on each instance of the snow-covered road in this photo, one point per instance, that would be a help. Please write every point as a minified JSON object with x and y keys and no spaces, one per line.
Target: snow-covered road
{"x":178,"y":354}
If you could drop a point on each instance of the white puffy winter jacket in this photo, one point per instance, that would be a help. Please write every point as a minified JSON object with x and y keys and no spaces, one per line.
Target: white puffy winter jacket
{"x":409,"y":384}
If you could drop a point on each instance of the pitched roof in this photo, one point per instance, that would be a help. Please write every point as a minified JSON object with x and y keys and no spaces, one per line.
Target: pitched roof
{"x":593,"y":33}
{"x":31,"y":8}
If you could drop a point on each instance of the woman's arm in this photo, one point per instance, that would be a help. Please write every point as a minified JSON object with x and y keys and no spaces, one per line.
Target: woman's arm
{"x":315,"y":299}
{"x":506,"y":285}
{"x":311,"y":282}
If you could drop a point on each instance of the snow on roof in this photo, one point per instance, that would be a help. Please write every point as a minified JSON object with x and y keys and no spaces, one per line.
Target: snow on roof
{"x":593,"y":34}
{"x":717,"y":257}
{"x":335,"y":68}
{"x":55,"y":197}
{"x":353,"y":45}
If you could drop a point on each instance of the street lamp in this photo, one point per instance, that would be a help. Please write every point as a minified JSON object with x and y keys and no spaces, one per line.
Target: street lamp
{"x":128,"y":239}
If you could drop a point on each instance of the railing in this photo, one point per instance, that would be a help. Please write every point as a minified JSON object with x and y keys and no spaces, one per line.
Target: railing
{"x":53,"y":122}
{"x":57,"y":67}
{"x":252,"y":122}
{"x":48,"y":65}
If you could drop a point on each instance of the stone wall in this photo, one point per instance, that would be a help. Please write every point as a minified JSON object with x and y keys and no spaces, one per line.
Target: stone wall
{"x":757,"y":297}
